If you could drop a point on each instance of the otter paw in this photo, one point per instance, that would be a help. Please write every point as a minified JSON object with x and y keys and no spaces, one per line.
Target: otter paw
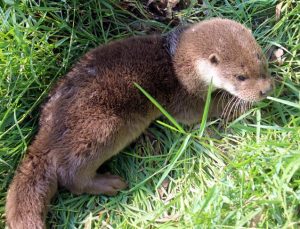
{"x":107,"y":184}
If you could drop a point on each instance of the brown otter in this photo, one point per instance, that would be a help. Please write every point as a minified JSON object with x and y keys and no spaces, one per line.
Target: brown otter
{"x":95,"y":110}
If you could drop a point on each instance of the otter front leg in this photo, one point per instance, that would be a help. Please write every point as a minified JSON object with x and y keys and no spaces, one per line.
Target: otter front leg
{"x":188,"y":111}
{"x":222,"y":105}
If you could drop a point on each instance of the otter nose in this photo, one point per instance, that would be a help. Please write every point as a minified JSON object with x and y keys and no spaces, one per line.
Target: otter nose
{"x":266,"y":91}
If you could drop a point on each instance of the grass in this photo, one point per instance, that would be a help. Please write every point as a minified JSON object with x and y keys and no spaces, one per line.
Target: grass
{"x":247,"y":175}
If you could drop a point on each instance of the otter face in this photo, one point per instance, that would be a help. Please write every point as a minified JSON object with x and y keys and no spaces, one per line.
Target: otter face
{"x":248,"y":80}
{"x":225,"y":53}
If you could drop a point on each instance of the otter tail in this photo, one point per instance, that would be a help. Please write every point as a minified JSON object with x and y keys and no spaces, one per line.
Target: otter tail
{"x":29,"y":194}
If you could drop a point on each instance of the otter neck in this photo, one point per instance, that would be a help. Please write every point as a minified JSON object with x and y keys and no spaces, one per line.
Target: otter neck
{"x":171,"y":39}
{"x":184,"y":61}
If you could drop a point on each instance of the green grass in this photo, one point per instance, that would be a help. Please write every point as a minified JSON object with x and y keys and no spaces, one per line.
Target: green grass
{"x":247,"y":175}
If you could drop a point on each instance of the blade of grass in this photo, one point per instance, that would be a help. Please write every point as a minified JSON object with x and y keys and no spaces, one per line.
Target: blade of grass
{"x":289,"y":103}
{"x":206,"y":111}
{"x":162,"y":110}
{"x":174,"y":160}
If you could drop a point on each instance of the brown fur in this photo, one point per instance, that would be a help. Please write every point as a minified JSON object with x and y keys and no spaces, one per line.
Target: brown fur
{"x":237,"y":53}
{"x":95,"y":110}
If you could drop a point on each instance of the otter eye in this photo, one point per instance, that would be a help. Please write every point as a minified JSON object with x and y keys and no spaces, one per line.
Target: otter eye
{"x":241,"y":77}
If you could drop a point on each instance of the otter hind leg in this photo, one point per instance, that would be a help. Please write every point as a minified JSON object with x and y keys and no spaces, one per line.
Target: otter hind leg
{"x":79,"y":175}
{"x":95,"y":184}
{"x":89,"y":150}
{"x":105,"y":184}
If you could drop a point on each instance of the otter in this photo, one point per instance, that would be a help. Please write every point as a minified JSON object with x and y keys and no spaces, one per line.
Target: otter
{"x":96,"y":110}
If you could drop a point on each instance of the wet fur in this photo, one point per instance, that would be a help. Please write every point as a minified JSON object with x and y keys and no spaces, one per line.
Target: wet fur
{"x":95,"y":111}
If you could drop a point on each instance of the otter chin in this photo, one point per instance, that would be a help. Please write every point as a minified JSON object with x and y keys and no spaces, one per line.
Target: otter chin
{"x":95,"y":110}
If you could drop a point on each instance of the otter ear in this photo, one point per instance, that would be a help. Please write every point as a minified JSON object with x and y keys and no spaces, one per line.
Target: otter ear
{"x":214,"y":59}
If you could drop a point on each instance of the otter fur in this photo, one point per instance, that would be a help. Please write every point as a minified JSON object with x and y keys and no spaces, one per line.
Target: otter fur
{"x":95,"y":110}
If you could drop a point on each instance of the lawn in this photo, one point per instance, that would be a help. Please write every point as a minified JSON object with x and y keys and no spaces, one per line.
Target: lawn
{"x":244,"y":175}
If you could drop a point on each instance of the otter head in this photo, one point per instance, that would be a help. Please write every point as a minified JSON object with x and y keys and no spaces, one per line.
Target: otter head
{"x":224,"y":53}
